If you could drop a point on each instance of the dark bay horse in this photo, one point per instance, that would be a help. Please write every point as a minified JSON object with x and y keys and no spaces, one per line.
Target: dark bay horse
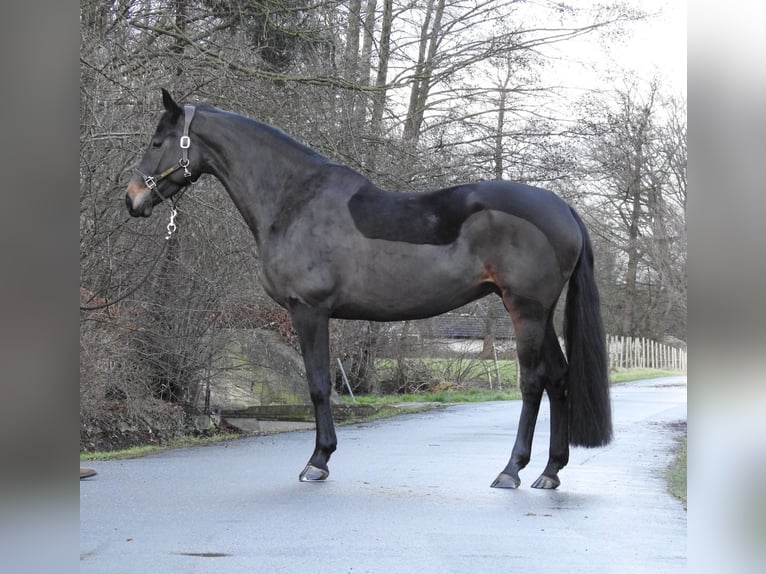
{"x":333,"y":245}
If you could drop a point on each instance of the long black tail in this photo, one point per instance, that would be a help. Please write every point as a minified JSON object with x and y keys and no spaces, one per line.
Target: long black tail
{"x":590,"y":410}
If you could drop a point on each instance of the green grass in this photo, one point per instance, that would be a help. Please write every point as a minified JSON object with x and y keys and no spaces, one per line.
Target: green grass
{"x":139,"y":451}
{"x":442,"y":368}
{"x":676,"y":473}
{"x":459,"y":370}
{"x":473,"y":395}
{"x":625,"y":375}
{"x":444,"y":396}
{"x":481,"y":370}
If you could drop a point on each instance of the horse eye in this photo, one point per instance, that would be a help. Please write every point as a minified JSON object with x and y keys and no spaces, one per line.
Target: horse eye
{"x":156,"y":143}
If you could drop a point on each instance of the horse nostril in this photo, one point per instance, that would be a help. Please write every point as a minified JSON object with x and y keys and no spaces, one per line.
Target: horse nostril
{"x":129,"y":205}
{"x":135,"y":210}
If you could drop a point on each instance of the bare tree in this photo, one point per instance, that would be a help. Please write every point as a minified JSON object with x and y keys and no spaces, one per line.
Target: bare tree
{"x":355,"y":80}
{"x":638,"y":188}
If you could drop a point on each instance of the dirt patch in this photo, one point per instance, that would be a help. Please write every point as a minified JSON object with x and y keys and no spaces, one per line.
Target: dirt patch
{"x":676,"y":427}
{"x":157,"y":423}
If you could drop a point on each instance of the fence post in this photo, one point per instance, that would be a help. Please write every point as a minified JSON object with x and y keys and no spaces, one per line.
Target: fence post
{"x":345,"y":380}
{"x":622,"y":351}
{"x":634,"y":359}
{"x":670,"y":358}
{"x":638,"y":352}
{"x":497,"y":369}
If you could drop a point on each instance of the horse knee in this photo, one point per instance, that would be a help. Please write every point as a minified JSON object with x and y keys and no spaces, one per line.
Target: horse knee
{"x":319,"y":395}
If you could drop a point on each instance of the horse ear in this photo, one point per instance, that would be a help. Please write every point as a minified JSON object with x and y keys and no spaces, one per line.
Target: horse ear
{"x":170,"y":104}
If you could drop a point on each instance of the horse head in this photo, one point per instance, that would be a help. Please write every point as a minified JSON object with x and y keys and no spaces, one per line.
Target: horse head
{"x":170,"y":163}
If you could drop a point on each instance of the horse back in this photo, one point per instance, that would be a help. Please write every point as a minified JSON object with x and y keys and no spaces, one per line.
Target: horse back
{"x":438,"y":217}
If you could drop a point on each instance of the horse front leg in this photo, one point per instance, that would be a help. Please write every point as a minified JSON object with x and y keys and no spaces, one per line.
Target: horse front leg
{"x":312,"y":326}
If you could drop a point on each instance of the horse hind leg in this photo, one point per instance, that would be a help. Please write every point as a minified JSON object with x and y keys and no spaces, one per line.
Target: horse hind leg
{"x":558,"y":454}
{"x":529,"y":320}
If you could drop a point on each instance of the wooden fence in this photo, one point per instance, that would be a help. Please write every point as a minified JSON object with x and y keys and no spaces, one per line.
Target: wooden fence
{"x":633,"y":353}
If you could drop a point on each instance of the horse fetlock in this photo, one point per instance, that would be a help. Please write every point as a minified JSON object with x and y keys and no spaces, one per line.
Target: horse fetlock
{"x":519,"y":461}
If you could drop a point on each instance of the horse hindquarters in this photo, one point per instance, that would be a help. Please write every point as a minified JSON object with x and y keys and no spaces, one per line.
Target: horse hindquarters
{"x":590,"y":412}
{"x":577,"y":385}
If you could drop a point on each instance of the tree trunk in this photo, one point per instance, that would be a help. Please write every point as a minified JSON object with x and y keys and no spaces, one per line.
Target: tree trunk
{"x":351,"y":54}
{"x":367,"y":34}
{"x":430,"y":35}
{"x":402,"y":381}
{"x":490,"y":331}
{"x":628,"y":317}
{"x":180,"y":43}
{"x":500,"y":130}
{"x":379,"y":98}
{"x":363,"y":65}
{"x":635,"y":196}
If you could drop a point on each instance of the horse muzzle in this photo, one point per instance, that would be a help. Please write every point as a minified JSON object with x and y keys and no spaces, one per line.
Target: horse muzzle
{"x":138,"y":199}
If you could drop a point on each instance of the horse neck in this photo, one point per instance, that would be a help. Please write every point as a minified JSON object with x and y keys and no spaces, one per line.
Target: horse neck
{"x":264,"y":172}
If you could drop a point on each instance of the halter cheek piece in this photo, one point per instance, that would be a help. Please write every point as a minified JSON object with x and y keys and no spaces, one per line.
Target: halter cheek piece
{"x":151,"y":181}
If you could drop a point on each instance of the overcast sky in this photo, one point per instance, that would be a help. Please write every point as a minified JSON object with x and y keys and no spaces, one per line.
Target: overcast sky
{"x":653,"y":48}
{"x":658,"y":44}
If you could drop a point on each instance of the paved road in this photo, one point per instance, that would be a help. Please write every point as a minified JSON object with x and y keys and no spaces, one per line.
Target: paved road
{"x":408,"y":494}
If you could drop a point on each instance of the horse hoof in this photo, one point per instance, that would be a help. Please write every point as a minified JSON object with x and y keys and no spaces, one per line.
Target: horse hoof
{"x":313,"y":474}
{"x":504,"y":480}
{"x":546,"y":482}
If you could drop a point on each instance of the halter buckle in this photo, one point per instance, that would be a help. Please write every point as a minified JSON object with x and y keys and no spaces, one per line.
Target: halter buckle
{"x":185,"y":142}
{"x":150,"y":182}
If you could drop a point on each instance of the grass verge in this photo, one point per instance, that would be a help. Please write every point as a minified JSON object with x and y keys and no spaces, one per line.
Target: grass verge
{"x":626,"y":375}
{"x":676,"y":472}
{"x":139,"y":451}
{"x":386,"y":403}
{"x":445,"y":396}
{"x":459,"y":370}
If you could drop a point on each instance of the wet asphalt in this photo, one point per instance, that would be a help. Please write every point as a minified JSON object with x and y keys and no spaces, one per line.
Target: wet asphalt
{"x":407,"y":494}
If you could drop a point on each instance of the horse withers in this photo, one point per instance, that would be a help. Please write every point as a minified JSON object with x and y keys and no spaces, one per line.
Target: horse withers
{"x":333,"y":245}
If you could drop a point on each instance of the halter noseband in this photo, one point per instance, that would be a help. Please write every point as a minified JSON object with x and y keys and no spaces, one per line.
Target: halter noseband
{"x":151,"y":181}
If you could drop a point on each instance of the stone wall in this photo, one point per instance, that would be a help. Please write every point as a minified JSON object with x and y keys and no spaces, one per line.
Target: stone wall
{"x":256,"y":368}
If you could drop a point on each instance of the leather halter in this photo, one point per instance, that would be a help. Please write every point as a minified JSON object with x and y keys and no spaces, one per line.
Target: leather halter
{"x":151,"y":181}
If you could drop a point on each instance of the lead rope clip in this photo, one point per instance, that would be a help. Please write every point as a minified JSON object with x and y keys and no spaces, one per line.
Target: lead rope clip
{"x":172,"y":223}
